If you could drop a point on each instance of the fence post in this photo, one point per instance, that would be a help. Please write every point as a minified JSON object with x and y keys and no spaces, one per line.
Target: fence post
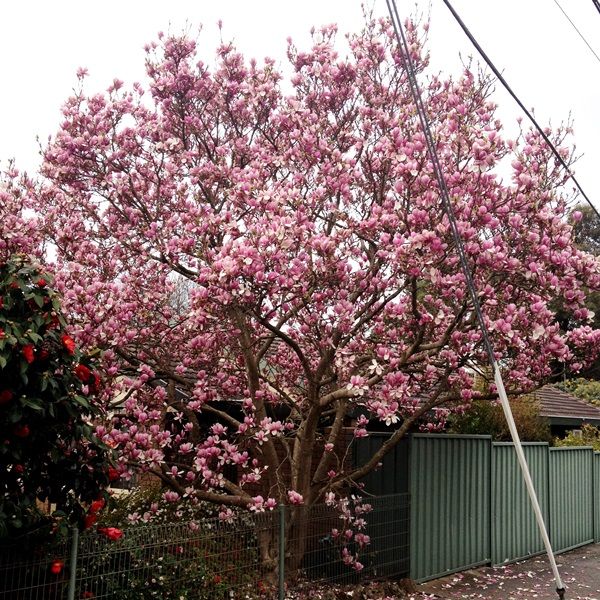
{"x":282,"y":552}
{"x":73,"y":563}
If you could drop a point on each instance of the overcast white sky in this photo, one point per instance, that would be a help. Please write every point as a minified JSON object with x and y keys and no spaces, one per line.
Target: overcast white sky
{"x":43,"y":43}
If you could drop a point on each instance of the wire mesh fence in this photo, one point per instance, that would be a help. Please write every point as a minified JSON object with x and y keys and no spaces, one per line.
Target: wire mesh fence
{"x":173,"y":561}
{"x":257,"y":556}
{"x":369,"y":541}
{"x":33,"y":571}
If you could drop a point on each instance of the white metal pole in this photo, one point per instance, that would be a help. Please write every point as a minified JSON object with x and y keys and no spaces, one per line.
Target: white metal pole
{"x":445,"y":194}
{"x":527,"y":475}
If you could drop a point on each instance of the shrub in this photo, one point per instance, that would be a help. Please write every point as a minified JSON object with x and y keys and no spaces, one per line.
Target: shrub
{"x":48,"y":452}
{"x":590,"y":436}
{"x":586,"y":389}
{"x":487,"y":417}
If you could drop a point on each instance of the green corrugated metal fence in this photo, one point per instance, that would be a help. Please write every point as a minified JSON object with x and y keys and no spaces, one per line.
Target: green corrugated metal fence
{"x":597,"y":496}
{"x":469,"y":505}
{"x":571,"y":497}
{"x":452,"y":502}
{"x":515,"y":533}
{"x":393,"y":474}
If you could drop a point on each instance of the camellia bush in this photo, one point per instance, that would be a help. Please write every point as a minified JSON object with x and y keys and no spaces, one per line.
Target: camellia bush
{"x":48,"y":451}
{"x":267,"y":267}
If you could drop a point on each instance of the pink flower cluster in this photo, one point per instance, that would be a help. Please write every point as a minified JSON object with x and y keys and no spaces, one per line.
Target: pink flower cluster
{"x":352,"y":510}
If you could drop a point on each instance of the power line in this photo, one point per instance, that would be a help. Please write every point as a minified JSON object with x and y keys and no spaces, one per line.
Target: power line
{"x":577,"y":30}
{"x":507,"y":87}
{"x":437,"y":169}
{"x":596,"y":4}
{"x":447,"y":204}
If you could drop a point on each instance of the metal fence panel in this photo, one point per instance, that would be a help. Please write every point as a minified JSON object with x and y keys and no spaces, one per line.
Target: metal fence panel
{"x":450,"y":504}
{"x":174,"y":561}
{"x":515,"y":534}
{"x":392,"y":477}
{"x":571,"y":497}
{"x":388,"y":527}
{"x":597,"y":496}
{"x":30,"y":571}
{"x":386,"y":555}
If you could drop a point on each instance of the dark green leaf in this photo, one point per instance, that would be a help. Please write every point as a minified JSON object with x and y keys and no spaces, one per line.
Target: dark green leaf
{"x":34,"y":403}
{"x":81,"y":400}
{"x":34,"y":337}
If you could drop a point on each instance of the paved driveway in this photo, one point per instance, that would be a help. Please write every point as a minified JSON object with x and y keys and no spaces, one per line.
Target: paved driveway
{"x":527,"y":580}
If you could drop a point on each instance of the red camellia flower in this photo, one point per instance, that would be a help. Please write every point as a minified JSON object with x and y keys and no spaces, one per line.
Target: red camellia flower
{"x":42,"y":282}
{"x":97,"y":505}
{"x":112,"y":533}
{"x":89,"y":520}
{"x":68,"y":343}
{"x":19,"y":469}
{"x":56,"y":567}
{"x":43,"y":354}
{"x":28,"y":354}
{"x":113,"y":474}
{"x":83,"y":373}
{"x":5,"y":396}
{"x":88,"y":594}
{"x":95,"y":383}
{"x":22,"y":431}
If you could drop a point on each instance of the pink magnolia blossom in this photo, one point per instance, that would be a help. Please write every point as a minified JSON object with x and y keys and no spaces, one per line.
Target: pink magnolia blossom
{"x":294,"y":497}
{"x":171,"y":496}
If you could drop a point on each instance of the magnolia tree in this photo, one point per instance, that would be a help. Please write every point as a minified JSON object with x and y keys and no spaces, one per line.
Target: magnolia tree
{"x":322,"y":284}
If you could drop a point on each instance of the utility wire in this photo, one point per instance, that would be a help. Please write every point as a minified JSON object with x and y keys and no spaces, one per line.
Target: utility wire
{"x":596,"y":4}
{"x":437,"y":168}
{"x":447,"y":204}
{"x":577,"y":30}
{"x":500,"y":77}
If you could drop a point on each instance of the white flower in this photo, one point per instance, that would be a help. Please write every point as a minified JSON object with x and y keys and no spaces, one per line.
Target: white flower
{"x":538,"y":332}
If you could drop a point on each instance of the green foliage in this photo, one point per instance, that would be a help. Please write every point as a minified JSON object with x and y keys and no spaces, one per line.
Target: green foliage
{"x":586,"y":231}
{"x":48,"y":451}
{"x":142,"y":566}
{"x":586,"y":389}
{"x":590,"y":436}
{"x":184,"y":552}
{"x":164,"y":563}
{"x":485,"y":417}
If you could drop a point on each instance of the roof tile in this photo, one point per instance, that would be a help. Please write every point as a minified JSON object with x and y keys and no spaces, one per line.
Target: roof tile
{"x":556,"y":403}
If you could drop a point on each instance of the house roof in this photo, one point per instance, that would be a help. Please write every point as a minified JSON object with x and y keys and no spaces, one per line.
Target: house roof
{"x":562,"y":407}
